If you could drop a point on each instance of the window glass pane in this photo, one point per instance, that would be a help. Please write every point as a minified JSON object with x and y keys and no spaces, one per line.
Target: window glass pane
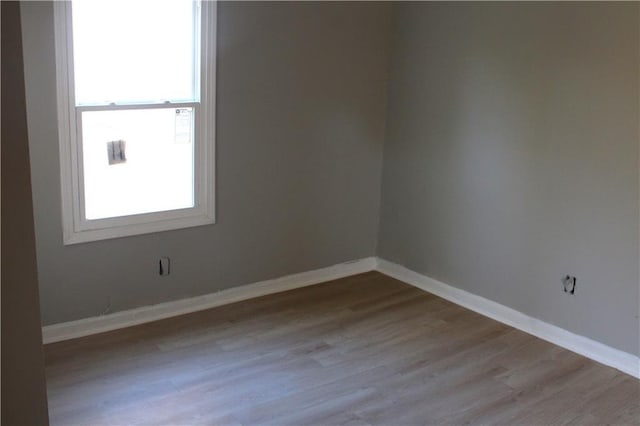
{"x":134,"y":51}
{"x":137,"y":161}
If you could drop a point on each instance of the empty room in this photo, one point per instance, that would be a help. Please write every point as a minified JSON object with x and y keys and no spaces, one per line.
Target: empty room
{"x":320,"y":213}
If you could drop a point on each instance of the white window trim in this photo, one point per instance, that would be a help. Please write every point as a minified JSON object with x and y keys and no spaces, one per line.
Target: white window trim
{"x":76,"y":229}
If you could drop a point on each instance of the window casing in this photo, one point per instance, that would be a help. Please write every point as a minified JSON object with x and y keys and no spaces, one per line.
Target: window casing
{"x":78,"y":226}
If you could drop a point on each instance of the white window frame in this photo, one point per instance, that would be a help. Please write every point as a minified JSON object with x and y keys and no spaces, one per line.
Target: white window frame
{"x":76,"y":228}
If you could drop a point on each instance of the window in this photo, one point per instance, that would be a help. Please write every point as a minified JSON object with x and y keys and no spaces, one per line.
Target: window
{"x":136,"y":100}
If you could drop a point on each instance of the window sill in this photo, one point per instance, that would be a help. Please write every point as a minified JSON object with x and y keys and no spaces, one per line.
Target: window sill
{"x":85,"y":236}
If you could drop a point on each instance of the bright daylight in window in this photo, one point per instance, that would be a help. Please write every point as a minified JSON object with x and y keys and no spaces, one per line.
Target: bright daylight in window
{"x":136,"y":89}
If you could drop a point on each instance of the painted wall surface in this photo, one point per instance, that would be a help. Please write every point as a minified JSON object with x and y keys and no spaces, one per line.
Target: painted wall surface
{"x":24,"y":394}
{"x":511,"y":157}
{"x":300,"y":128}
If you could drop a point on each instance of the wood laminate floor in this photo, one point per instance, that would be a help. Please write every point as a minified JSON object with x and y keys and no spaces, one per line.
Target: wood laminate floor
{"x":364,"y":350}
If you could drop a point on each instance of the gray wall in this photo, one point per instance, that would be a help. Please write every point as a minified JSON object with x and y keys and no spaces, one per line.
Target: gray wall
{"x":24,"y":398}
{"x":511,"y":157}
{"x":301,"y":106}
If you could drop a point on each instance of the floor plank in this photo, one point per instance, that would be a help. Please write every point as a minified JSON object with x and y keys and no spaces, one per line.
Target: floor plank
{"x":363,"y":350}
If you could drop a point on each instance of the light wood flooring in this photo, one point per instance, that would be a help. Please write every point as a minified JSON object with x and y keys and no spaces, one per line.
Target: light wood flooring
{"x":364,"y":350}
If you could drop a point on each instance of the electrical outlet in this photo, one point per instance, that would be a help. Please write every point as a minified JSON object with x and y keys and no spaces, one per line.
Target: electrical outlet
{"x":164,"y":266}
{"x":569,"y":284}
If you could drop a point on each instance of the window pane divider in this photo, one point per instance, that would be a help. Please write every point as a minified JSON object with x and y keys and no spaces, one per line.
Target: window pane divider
{"x":151,"y":105}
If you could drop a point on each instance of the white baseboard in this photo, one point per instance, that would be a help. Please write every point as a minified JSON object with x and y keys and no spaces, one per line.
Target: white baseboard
{"x":100,"y":324}
{"x":596,"y":351}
